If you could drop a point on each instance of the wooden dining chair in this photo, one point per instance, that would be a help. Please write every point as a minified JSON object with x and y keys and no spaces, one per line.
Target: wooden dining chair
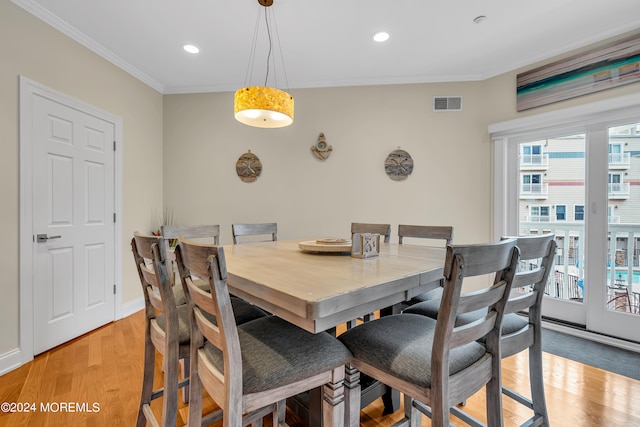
{"x":167,"y":328}
{"x":381,"y":229}
{"x":239,"y":230}
{"x":428,"y":232}
{"x":164,"y":322}
{"x":434,"y":362}
{"x":519,"y":333}
{"x":434,"y":232}
{"x":170,"y":233}
{"x":205,"y":231}
{"x":248,"y":369}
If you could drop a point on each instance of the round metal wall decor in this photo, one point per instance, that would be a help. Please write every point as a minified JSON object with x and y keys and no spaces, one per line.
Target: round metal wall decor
{"x":248,"y":167}
{"x":398,"y":165}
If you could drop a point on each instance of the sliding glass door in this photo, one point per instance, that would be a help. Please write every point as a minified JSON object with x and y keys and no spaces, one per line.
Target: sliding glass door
{"x":621,"y":284}
{"x":581,"y":181}
{"x":555,"y":204}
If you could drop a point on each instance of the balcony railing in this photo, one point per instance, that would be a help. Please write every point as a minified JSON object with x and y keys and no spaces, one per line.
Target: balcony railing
{"x":619,"y":190}
{"x":538,"y":218}
{"x":566,"y":282}
{"x":619,"y":160}
{"x":534,"y":161}
{"x":534,"y":190}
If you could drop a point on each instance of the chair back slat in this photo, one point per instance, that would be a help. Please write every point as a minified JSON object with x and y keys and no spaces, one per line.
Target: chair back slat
{"x":239,"y":230}
{"x":192,"y":232}
{"x":149,"y":276}
{"x":425,"y":232}
{"x":529,"y":278}
{"x":494,"y":258}
{"x":209,"y":330}
{"x":195,"y":260}
{"x":473,"y":331}
{"x":381,"y":229}
{"x":143,"y":245}
{"x":520,"y":302}
{"x":155,"y":299}
{"x":477,"y":300}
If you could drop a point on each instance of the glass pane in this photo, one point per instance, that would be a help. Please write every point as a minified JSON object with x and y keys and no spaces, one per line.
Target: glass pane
{"x":551,"y":200}
{"x":623,"y":273}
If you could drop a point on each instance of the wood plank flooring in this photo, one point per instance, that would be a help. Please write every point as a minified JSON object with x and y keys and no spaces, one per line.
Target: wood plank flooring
{"x":95,"y":380}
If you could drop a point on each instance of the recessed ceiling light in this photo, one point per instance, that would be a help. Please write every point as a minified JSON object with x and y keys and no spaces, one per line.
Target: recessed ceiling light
{"x":191,"y":48}
{"x":479,"y":19}
{"x":381,"y":37}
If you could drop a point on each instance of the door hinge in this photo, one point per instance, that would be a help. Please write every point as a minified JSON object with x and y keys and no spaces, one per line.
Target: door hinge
{"x":114,"y":217}
{"x":114,"y":289}
{"x":114,"y":146}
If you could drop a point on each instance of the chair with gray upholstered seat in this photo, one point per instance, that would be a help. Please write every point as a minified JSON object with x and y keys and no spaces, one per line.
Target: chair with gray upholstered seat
{"x":167,"y":328}
{"x":383,"y":230}
{"x":250,"y":369}
{"x":434,"y":362}
{"x":519,"y":333}
{"x":266,"y":228}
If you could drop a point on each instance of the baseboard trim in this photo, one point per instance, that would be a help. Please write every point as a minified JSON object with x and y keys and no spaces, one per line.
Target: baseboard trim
{"x":10,"y":360}
{"x":131,"y":307}
{"x":592,"y":336}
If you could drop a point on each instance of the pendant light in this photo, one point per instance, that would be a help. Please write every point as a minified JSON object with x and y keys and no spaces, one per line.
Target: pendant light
{"x":263,"y":106}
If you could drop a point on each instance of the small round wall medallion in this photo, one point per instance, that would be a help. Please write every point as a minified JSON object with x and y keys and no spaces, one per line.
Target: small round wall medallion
{"x":248,"y":167}
{"x":398,"y":165}
{"x":321,"y":149}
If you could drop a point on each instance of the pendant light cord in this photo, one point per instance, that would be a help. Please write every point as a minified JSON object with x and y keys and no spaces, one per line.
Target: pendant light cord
{"x":266,"y":20}
{"x":249,"y":73}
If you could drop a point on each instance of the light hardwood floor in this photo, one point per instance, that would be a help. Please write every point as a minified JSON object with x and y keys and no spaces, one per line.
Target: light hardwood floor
{"x":105,"y":367}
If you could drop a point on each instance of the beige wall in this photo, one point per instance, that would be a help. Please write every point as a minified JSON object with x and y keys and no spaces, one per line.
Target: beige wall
{"x":32,"y":49}
{"x":451,"y":182}
{"x":312,"y":198}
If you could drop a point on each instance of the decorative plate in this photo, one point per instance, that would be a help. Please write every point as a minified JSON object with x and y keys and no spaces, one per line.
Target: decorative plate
{"x":248,"y":167}
{"x":398,"y":165}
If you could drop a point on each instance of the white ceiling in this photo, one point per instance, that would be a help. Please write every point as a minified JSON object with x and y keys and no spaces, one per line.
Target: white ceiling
{"x":329,"y":42}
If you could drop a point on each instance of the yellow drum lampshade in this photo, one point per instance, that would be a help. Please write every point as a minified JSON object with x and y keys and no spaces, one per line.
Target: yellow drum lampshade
{"x":263,"y":107}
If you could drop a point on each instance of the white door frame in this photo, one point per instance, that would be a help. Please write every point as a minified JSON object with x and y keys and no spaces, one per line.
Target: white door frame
{"x":29,"y":89}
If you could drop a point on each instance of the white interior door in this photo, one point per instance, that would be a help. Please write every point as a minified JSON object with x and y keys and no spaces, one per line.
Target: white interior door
{"x":73,"y":222}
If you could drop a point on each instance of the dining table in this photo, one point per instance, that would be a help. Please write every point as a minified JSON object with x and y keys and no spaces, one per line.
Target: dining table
{"x":319,"y":290}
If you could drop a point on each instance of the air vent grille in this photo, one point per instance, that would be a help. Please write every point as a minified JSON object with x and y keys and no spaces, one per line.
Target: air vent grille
{"x":447,"y":103}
